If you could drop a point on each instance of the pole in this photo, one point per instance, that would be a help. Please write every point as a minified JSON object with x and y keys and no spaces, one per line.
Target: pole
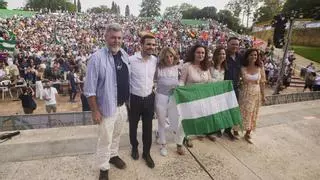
{"x":280,"y":77}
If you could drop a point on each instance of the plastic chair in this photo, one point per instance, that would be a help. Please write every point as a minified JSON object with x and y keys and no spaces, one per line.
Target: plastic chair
{"x":5,"y":87}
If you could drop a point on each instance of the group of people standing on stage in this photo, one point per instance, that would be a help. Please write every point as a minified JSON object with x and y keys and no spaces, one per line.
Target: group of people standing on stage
{"x":113,"y":79}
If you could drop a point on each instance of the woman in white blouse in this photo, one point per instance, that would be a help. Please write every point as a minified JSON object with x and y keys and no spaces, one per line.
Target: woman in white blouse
{"x":219,"y":64}
{"x":217,"y":71}
{"x":196,"y":70}
{"x":167,"y":79}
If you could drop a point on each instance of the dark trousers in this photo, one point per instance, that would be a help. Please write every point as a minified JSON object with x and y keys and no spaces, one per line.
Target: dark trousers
{"x":141,"y":107}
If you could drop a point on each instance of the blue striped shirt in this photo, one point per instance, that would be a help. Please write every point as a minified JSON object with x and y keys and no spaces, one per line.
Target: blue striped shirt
{"x":101,"y":80}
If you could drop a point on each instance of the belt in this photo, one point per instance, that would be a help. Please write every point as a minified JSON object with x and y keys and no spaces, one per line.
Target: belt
{"x":143,"y":98}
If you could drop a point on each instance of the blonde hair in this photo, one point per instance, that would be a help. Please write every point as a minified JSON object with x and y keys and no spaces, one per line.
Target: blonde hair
{"x":163,"y":57}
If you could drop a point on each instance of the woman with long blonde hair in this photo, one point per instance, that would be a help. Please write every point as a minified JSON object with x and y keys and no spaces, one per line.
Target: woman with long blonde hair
{"x":167,"y":79}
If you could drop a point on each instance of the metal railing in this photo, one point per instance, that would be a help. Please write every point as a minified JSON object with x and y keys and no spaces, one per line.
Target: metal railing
{"x":39,"y":121}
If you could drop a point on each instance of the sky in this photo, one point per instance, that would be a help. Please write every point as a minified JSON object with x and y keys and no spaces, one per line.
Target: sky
{"x":133,"y":4}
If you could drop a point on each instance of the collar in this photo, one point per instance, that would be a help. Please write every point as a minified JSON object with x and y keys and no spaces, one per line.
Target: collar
{"x":119,"y":53}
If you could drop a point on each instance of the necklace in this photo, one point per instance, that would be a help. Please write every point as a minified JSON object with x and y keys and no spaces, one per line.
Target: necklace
{"x":119,"y":65}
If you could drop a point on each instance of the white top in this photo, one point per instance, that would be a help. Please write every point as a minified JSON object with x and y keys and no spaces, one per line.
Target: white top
{"x":217,"y":75}
{"x":167,"y":79}
{"x":142,"y":74}
{"x":193,"y":75}
{"x":317,"y":80}
{"x":50,"y":93}
{"x":252,"y":77}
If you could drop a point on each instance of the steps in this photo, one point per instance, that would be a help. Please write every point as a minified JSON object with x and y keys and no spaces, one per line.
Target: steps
{"x":297,"y":82}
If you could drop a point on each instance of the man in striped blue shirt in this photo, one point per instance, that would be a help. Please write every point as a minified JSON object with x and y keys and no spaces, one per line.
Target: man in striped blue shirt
{"x":107,"y":89}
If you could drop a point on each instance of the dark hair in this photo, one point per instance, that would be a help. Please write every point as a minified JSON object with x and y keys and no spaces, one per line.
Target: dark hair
{"x":246,"y":58}
{"x":146,"y":36}
{"x":204,"y":65}
{"x":233,"y":38}
{"x":215,"y":57}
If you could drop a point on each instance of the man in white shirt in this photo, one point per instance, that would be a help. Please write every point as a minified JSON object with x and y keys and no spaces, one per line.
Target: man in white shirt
{"x":143,"y":66}
{"x":50,"y":95}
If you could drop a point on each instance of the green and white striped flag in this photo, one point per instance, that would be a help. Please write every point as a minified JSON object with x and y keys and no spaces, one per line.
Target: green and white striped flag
{"x":206,"y":108}
{"x":7,"y":45}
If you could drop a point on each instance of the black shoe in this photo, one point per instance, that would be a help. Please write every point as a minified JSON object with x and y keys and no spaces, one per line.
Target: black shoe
{"x":104,"y":175}
{"x":236,"y":133}
{"x":230,"y":136}
{"x":135,"y":154}
{"x":119,"y":163}
{"x":148,"y":160}
{"x":219,"y":134}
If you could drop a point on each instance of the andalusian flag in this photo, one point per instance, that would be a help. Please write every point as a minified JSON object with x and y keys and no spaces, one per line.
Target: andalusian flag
{"x":9,"y":43}
{"x":206,"y":108}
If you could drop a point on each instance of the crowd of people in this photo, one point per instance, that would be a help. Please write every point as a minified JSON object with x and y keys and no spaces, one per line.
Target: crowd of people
{"x":143,"y":60}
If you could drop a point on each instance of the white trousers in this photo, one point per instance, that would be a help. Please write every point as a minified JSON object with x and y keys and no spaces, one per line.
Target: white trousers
{"x":39,"y":90}
{"x":110,"y":131}
{"x":167,"y":117}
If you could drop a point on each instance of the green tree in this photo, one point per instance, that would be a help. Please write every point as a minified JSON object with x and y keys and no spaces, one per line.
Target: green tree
{"x":191,"y":13}
{"x":100,"y":9}
{"x":118,"y":10}
{"x":244,"y":6}
{"x":263,"y":14}
{"x":186,"y":6}
{"x":172,"y":13}
{"x":79,"y":6}
{"x":268,"y":10}
{"x":3,"y":4}
{"x":226,"y":17}
{"x":150,"y":8}
{"x":308,"y":8}
{"x":53,"y":5}
{"x":235,"y":7}
{"x":127,"y":11}
{"x":208,"y":12}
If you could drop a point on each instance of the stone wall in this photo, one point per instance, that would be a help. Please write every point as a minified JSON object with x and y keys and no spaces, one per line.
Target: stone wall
{"x":291,"y":98}
{"x":302,"y":37}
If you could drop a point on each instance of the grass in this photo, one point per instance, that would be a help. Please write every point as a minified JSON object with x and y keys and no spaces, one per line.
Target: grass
{"x":5,"y":13}
{"x":312,"y":53}
{"x":193,"y":22}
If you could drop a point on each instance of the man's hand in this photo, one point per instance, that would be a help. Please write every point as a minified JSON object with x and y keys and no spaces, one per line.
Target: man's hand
{"x":96,"y":116}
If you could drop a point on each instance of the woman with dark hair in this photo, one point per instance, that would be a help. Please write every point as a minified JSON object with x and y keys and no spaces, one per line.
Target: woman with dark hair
{"x":28,"y":103}
{"x":251,"y":91}
{"x":196,"y":70}
{"x":217,"y":72}
{"x":219,"y":64}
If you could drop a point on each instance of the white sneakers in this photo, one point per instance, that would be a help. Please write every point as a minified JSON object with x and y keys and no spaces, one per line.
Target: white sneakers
{"x":163,"y":150}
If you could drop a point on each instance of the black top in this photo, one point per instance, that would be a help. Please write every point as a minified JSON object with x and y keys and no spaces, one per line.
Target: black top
{"x":233,"y":69}
{"x":122,"y":73}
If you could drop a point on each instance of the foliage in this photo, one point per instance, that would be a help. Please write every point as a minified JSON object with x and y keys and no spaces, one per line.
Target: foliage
{"x":127,"y":11}
{"x":3,"y":4}
{"x":308,"y":8}
{"x":150,"y":8}
{"x":50,"y":5}
{"x":100,"y":9}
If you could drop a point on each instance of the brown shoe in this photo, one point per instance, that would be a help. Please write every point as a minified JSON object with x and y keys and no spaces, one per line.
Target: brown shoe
{"x":247,"y":137}
{"x":119,"y":163}
{"x":201,"y":138}
{"x":236,"y":133}
{"x":188,"y":142}
{"x":180,"y":150}
{"x":211,"y":138}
